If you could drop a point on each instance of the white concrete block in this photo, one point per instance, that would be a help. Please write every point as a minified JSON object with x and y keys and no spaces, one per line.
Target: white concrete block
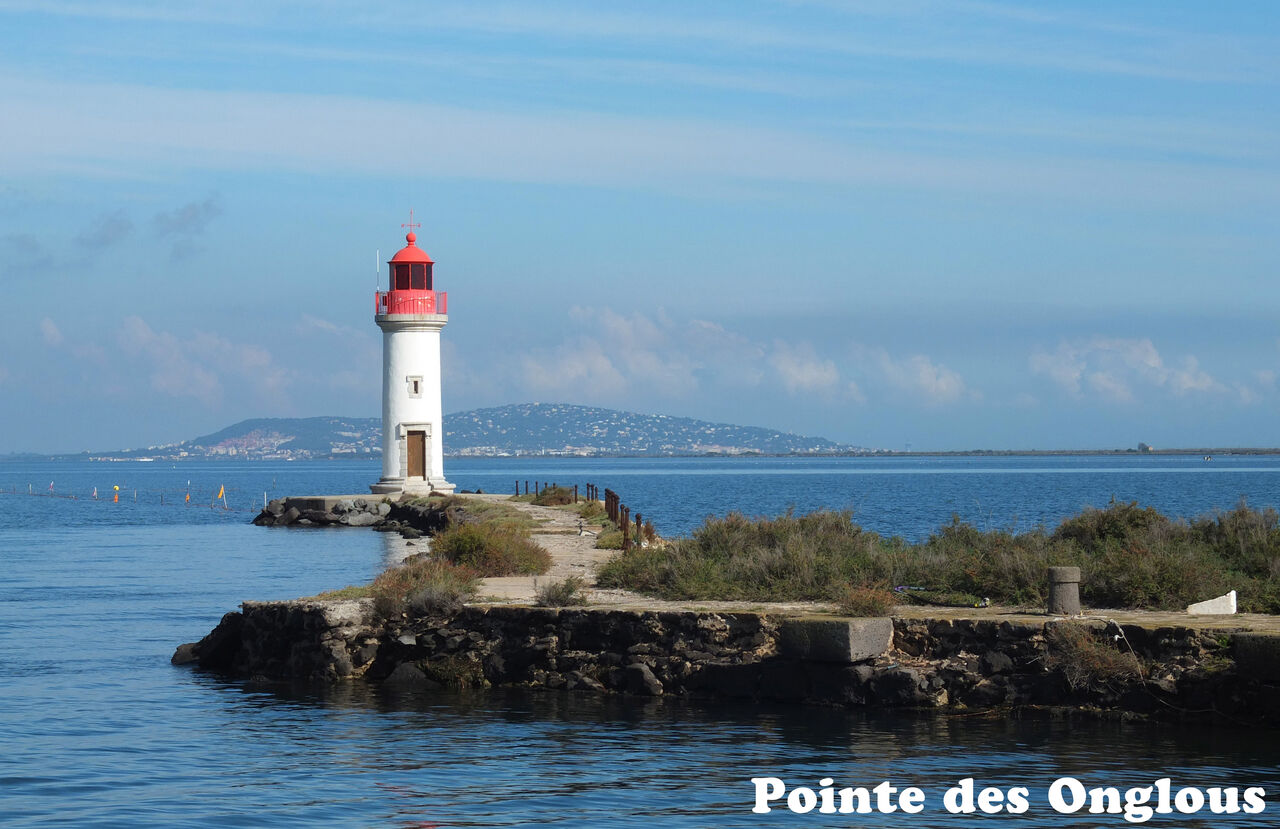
{"x":1221,"y":606}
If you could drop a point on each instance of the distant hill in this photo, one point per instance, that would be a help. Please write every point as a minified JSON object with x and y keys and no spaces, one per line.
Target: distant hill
{"x":519,"y":429}
{"x":563,"y":429}
{"x":286,"y":436}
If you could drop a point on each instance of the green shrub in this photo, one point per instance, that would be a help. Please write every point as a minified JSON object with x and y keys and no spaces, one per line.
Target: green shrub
{"x":1130,"y":557}
{"x":554,"y":496}
{"x":866,"y":601}
{"x":491,"y":551}
{"x":1120,"y":521}
{"x":567,"y":593}
{"x":610,"y":539}
{"x":423,"y":585}
{"x":1166,"y":575}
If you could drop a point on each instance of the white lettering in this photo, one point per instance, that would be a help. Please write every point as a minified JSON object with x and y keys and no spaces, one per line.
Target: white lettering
{"x":1224,"y":801}
{"x":1136,"y":809}
{"x":1076,"y":789}
{"x":1189,"y":801}
{"x":1253,"y":803}
{"x":1110,"y":796}
{"x":767,"y":788}
{"x":801,"y":800}
{"x":826,"y":795}
{"x":1018,"y":802}
{"x":884,"y":797}
{"x":991,"y":801}
{"x":959,"y":798}
{"x":912,"y":801}
{"x":847,"y":797}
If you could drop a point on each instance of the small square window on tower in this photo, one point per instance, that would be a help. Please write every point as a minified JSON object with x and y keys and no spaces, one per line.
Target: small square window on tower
{"x":415,"y":386}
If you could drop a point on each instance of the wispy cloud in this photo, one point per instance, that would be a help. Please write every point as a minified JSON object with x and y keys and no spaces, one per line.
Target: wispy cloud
{"x":1114,"y":369}
{"x":917,"y":375}
{"x":195,"y":365}
{"x":54,"y":125}
{"x":21,"y":254}
{"x":184,"y":225}
{"x":800,"y":368}
{"x":188,"y":220}
{"x":50,"y":332}
{"x":107,"y":230}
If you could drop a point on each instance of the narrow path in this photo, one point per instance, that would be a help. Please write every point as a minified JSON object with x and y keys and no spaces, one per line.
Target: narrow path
{"x":575,"y":554}
{"x":572,"y":553}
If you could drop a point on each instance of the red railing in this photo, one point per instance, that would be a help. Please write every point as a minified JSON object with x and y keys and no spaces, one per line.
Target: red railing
{"x":410,"y":302}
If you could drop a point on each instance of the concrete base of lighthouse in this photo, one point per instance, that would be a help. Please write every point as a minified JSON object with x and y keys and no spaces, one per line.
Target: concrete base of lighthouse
{"x":411,"y":486}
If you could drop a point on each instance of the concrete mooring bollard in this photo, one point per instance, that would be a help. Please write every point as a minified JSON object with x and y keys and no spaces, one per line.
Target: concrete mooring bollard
{"x":1064,"y":591}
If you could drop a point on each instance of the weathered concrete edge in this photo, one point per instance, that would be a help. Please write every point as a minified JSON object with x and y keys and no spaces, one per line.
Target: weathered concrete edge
{"x":927,"y":662}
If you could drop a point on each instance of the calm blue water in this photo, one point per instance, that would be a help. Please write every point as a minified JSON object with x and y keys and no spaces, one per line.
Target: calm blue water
{"x":97,"y":729}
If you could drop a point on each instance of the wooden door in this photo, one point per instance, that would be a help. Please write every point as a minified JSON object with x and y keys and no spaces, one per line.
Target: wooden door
{"x":417,"y":454}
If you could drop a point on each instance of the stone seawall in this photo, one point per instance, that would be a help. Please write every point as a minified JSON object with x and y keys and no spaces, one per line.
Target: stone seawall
{"x":1095,"y":666}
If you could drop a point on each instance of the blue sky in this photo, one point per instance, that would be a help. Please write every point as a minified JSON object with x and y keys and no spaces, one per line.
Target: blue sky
{"x":950,"y":225}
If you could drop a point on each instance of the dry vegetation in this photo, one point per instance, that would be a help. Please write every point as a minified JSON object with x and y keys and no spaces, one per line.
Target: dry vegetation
{"x":488,"y":539}
{"x":1130,"y":558}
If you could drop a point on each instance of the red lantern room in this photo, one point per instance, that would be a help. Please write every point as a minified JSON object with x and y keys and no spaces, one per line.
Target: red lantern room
{"x":410,"y":282}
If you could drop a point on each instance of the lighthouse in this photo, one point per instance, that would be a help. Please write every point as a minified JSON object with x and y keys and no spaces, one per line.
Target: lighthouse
{"x":411,"y":314}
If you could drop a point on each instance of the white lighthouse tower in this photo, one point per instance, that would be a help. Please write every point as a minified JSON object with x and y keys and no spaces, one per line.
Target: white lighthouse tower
{"x":411,"y":314}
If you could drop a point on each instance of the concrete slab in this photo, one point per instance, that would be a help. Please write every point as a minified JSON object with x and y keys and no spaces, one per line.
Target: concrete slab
{"x":325,"y":503}
{"x":835,"y":640}
{"x":1221,"y":606}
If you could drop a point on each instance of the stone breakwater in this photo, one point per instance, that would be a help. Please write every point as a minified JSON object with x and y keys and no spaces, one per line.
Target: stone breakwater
{"x":1126,"y":670}
{"x":409,"y":518}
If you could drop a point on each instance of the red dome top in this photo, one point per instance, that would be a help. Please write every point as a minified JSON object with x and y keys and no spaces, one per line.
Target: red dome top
{"x":411,"y":252}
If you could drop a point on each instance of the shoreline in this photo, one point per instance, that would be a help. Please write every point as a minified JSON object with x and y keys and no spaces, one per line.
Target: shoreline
{"x":1000,"y":664}
{"x":22,"y":457}
{"x":1131,"y":664}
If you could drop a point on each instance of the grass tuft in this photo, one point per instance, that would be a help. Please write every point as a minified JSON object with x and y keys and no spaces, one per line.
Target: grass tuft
{"x":569,"y":592}
{"x":491,"y":550}
{"x":1088,"y":659}
{"x":423,"y":585}
{"x":866,"y":601}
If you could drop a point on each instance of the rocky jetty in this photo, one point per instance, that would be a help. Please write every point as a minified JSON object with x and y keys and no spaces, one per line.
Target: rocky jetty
{"x":411,"y":517}
{"x":1060,"y":666}
{"x":323,"y":512}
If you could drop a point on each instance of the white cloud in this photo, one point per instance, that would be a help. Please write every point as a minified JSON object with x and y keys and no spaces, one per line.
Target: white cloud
{"x":918,"y":375}
{"x":51,"y":333}
{"x":801,"y":369}
{"x":1109,"y":386}
{"x":579,"y":372}
{"x":195,"y":365}
{"x":1113,"y":368}
{"x":613,"y":359}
